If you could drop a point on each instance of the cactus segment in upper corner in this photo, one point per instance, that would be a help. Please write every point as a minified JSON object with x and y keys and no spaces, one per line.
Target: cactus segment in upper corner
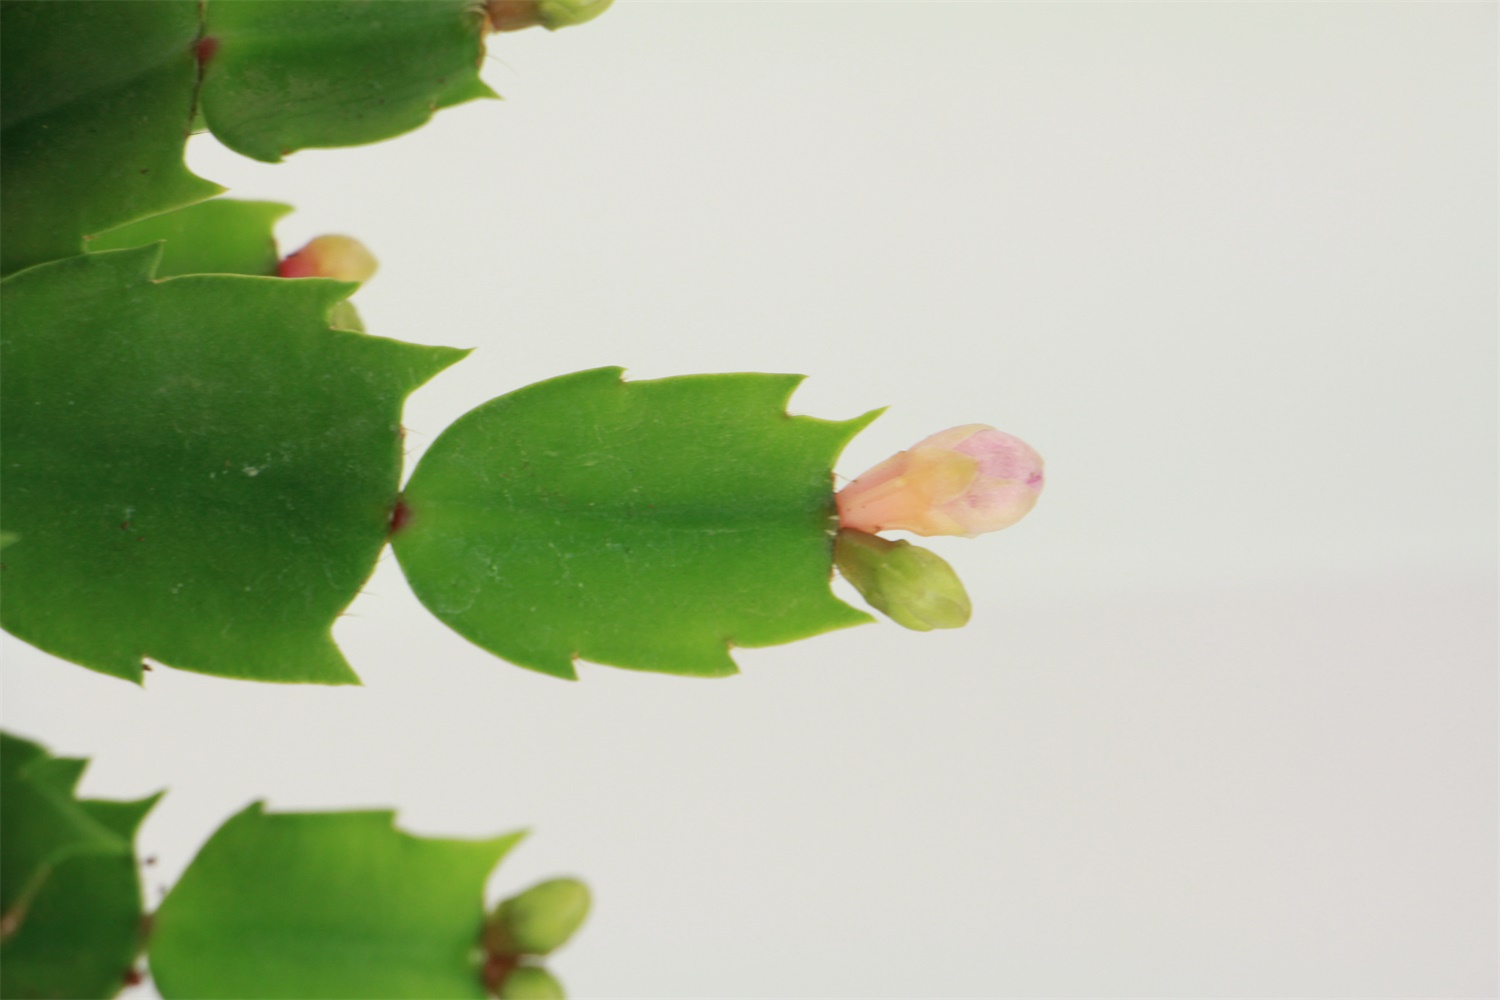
{"x":279,"y":77}
{"x":97,"y":97}
{"x":95,"y":104}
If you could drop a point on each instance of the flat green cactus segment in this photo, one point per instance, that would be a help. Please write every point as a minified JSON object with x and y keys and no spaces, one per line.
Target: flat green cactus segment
{"x":76,"y":926}
{"x":222,"y":236}
{"x":41,"y":824}
{"x":648,"y":525}
{"x":288,"y":76}
{"x":324,"y":905}
{"x":95,"y":102}
{"x":199,"y":470}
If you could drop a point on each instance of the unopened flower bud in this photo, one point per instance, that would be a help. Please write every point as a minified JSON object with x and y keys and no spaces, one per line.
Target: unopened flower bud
{"x":531,"y":982}
{"x":539,"y":920}
{"x":513,"y":15}
{"x":341,"y":257}
{"x":963,"y":481}
{"x":915,"y":587}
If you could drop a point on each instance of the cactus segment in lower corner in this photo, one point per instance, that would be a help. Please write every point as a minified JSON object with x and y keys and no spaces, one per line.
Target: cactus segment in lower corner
{"x":339,"y":904}
{"x":199,"y":470}
{"x":71,"y":919}
{"x":650,"y":525}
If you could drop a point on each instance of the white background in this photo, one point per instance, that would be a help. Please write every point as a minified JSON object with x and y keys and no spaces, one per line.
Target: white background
{"x":1224,"y":724}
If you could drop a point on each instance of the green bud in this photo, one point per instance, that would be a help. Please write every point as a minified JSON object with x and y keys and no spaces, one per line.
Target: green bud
{"x":531,"y":982}
{"x":513,"y":15}
{"x":915,"y":587}
{"x":566,"y":13}
{"x":539,"y":920}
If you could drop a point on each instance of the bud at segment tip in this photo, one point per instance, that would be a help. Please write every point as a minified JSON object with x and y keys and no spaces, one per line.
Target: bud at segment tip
{"x":963,"y":481}
{"x":539,"y":920}
{"x":914,"y":587}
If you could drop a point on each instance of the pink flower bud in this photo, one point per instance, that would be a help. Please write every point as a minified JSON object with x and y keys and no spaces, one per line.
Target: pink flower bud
{"x":963,"y":481}
{"x":340,"y":257}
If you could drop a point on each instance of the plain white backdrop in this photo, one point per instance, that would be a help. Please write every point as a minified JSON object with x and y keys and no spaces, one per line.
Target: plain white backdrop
{"x":1224,"y":724}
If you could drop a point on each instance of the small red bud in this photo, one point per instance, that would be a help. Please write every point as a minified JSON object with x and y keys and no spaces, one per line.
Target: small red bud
{"x":341,"y":257}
